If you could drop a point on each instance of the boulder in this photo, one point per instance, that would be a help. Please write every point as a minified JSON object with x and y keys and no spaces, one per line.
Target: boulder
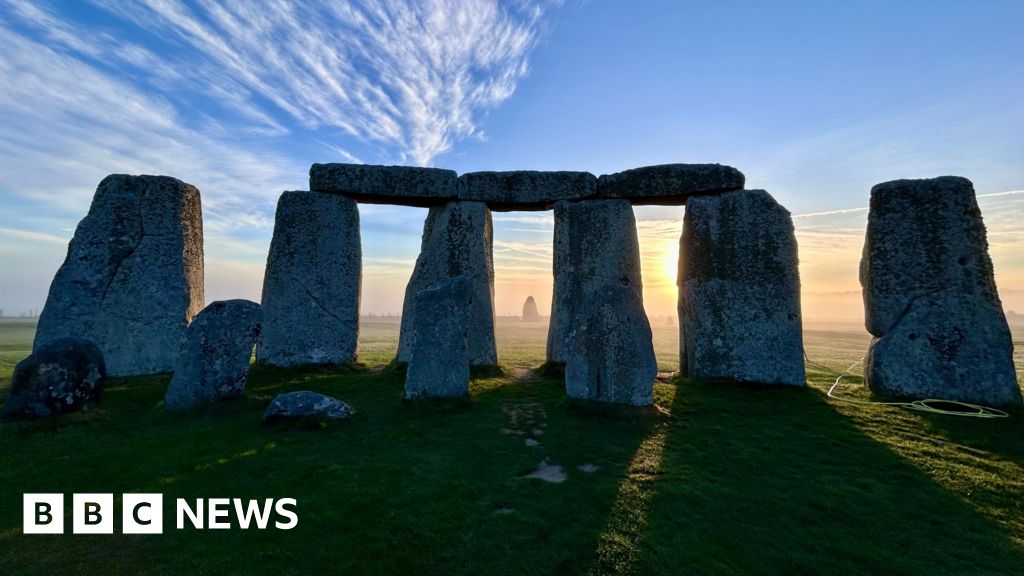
{"x":306,"y":407}
{"x":457,"y":241}
{"x":215,"y":354}
{"x":439,"y":366}
{"x":930,"y":297}
{"x":669,"y":184}
{"x":61,"y":376}
{"x":133,"y":276}
{"x":312,"y":284}
{"x":407,"y":185}
{"x":739,"y":291}
{"x":526,"y":189}
{"x":595,"y":245}
{"x":610,"y":353}
{"x":530,"y":313}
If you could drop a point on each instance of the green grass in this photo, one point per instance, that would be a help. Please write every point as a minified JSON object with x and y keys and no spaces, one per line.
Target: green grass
{"x":729,"y":479}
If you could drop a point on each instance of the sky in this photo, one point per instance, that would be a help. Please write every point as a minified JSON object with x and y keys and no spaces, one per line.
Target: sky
{"x":815,"y":101}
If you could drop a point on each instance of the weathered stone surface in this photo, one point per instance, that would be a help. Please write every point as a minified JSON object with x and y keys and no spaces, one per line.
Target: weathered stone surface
{"x":439,"y":366}
{"x":312,"y":284}
{"x":59,"y":377}
{"x":407,"y":185}
{"x":215,"y":353}
{"x":133,"y":276}
{"x":457,"y":241}
{"x":595,"y":245}
{"x":669,"y":184}
{"x":739,"y":291}
{"x":530,"y":313}
{"x":305,"y":406}
{"x":526,"y":189}
{"x":930,"y":297}
{"x":610,"y":354}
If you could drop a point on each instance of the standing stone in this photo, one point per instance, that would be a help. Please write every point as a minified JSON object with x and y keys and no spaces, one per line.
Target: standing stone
{"x":59,"y":377}
{"x":215,"y":354}
{"x":611,"y":355}
{"x":457,"y":241}
{"x":595,"y":246}
{"x":439,"y":367}
{"x":133,"y":276}
{"x":930,"y":297}
{"x":312,"y":284}
{"x":530,"y":313}
{"x":739,"y":291}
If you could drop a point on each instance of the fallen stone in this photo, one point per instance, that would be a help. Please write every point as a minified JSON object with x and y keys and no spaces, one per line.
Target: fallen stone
{"x":669,"y":184}
{"x":312,"y":284}
{"x":930,"y":297}
{"x":548,"y":472}
{"x":530,"y":313}
{"x":457,"y":241}
{"x":215,"y":354}
{"x":439,"y":367}
{"x":407,"y":185}
{"x":739,"y":291}
{"x":308,"y":407}
{"x":133,"y":276}
{"x":60,"y":377}
{"x":526,"y":189}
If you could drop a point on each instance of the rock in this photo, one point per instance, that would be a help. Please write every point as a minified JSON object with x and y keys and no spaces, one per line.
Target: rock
{"x":215,"y":354}
{"x":739,"y":291}
{"x":530,"y":313}
{"x":133,"y":276}
{"x":61,"y":376}
{"x":457,"y":241}
{"x":669,"y":184}
{"x":610,"y":353}
{"x":595,"y":245}
{"x":407,"y":185}
{"x":439,"y":366}
{"x":312,"y":284}
{"x":526,"y":189}
{"x":308,"y":407}
{"x":930,"y":297}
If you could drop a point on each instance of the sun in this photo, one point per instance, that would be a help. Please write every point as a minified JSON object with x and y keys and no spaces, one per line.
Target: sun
{"x":670,"y":262}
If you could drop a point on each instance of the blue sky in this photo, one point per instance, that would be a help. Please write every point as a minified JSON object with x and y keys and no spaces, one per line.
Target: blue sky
{"x":815,"y":101}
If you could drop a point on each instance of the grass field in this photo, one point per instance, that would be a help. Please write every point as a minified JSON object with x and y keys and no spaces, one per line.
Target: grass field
{"x":729,"y":479}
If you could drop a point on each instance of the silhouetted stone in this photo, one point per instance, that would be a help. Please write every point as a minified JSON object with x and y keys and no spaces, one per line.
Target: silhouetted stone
{"x":312,"y":283}
{"x":407,"y":185}
{"x":306,"y":407}
{"x":215,"y":355}
{"x":457,"y":241}
{"x":669,"y":184}
{"x":739,"y":291}
{"x":439,"y":366}
{"x":133,"y":276}
{"x":526,"y":189}
{"x":930,"y":297}
{"x":530,"y":313}
{"x":59,"y":377}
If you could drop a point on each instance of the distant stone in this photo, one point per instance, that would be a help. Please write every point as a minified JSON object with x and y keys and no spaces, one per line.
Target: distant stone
{"x":439,"y":366}
{"x":133,"y":276}
{"x":526,"y":189}
{"x":739,"y":291}
{"x":311,"y":287}
{"x":60,"y":377}
{"x":530,"y":313}
{"x":610,"y":353}
{"x":371,"y":184}
{"x":457,"y":241}
{"x":595,"y":245}
{"x":306,"y":407}
{"x":930,"y":297}
{"x":669,"y":184}
{"x":215,"y":355}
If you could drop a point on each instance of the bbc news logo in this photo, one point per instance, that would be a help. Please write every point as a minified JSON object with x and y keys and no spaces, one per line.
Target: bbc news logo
{"x":144,"y":513}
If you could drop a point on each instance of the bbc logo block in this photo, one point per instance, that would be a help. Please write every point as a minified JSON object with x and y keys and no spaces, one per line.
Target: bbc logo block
{"x":92,"y":514}
{"x":43,"y":513}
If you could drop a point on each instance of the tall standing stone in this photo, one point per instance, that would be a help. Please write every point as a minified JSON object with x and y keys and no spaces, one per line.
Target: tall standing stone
{"x":739,"y":290}
{"x":530,"y":312}
{"x":457,"y":241}
{"x":312,"y":283}
{"x":930,"y":297}
{"x":133,"y":276}
{"x":595,"y":245}
{"x":439,"y":367}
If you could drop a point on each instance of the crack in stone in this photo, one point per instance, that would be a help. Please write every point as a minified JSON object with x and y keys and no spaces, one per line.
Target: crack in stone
{"x":909,"y":305}
{"x":316,"y":301}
